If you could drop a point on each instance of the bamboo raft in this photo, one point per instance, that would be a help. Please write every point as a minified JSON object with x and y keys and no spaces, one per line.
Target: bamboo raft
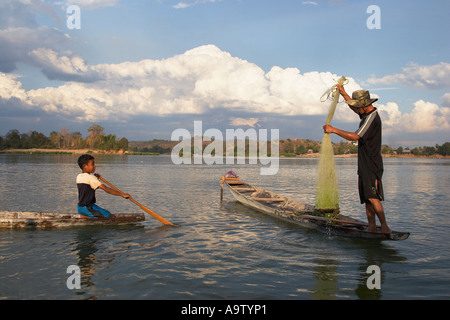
{"x":303,"y":214}
{"x":17,"y":220}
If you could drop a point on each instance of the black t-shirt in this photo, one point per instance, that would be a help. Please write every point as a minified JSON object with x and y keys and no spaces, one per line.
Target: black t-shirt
{"x":370,"y":162}
{"x":87,"y":184}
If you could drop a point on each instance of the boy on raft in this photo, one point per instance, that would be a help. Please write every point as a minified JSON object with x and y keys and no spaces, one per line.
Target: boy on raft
{"x":87,"y":183}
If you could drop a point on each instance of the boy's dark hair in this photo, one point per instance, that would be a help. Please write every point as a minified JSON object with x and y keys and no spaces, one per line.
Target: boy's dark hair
{"x":84,"y":160}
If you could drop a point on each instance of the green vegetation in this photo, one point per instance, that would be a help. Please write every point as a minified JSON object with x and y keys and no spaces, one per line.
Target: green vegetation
{"x":443,"y":150}
{"x":288,"y":155}
{"x":299,"y":146}
{"x":39,"y":152}
{"x":96,"y":139}
{"x":143,"y":153}
{"x":152,"y":147}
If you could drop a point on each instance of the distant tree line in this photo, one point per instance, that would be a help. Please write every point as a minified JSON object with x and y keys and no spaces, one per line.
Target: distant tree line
{"x":299,"y":147}
{"x":295,"y":147}
{"x":443,"y":150}
{"x":64,"y":139}
{"x":97,"y":139}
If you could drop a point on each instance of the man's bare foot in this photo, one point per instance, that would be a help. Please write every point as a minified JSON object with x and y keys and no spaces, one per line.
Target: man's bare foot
{"x":385,"y":229}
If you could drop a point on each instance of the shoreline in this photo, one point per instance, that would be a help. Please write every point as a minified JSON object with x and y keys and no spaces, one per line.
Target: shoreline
{"x":121,"y":152}
{"x":61,"y":151}
{"x":354,"y":155}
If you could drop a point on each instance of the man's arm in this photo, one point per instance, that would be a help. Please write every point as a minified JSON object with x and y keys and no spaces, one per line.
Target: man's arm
{"x":114,"y":192}
{"x":344,"y":134}
{"x":342,"y":92}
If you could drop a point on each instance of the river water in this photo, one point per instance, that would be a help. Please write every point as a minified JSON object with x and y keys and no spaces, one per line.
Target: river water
{"x":220,"y":250}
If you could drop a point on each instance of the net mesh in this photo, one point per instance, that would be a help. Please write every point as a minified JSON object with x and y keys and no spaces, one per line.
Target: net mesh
{"x":327,"y":183}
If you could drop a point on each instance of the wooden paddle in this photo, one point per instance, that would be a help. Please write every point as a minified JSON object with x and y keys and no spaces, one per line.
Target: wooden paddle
{"x":150,"y":212}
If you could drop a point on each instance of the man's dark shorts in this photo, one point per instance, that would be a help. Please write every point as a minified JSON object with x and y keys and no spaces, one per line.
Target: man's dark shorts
{"x":370,"y":188}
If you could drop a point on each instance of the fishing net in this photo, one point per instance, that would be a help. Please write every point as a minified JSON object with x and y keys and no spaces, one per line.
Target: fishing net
{"x":288,"y":205}
{"x":327,"y":198}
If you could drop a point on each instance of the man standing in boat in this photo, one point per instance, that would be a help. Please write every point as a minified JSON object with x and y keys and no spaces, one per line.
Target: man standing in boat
{"x":370,"y":162}
{"x":87,"y":183}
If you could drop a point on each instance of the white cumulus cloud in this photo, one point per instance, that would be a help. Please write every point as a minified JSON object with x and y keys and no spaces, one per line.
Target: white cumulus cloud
{"x":11,"y":88}
{"x":237,"y":122}
{"x":198,"y":82}
{"x":425,"y":117}
{"x":422,"y":77}
{"x":62,"y":66}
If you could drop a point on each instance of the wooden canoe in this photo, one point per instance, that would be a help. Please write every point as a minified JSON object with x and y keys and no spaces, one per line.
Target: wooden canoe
{"x":303,"y":214}
{"x":16,"y":220}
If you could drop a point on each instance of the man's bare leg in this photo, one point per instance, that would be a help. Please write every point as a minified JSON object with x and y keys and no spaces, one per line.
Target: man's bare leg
{"x":370,"y":212}
{"x":374,"y":206}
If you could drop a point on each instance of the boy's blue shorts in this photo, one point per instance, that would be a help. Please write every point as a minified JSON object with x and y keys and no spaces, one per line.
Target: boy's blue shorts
{"x":94,"y":211}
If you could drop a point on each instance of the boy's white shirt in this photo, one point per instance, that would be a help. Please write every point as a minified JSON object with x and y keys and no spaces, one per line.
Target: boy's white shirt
{"x":89,"y":179}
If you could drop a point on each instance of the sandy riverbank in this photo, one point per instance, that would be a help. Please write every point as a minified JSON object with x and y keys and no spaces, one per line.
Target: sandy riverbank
{"x":73,"y":151}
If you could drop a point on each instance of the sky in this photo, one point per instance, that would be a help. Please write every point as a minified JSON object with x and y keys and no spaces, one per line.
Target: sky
{"x":144,"y":68}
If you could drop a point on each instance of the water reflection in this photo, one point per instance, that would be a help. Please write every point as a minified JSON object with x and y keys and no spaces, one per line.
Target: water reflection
{"x":379,"y":255}
{"x":335,"y":263}
{"x":97,"y":252}
{"x":326,"y":276}
{"x":222,"y":250}
{"x":86,"y":250}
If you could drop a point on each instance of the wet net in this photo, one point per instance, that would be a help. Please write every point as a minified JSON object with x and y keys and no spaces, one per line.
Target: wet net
{"x":327,"y":197}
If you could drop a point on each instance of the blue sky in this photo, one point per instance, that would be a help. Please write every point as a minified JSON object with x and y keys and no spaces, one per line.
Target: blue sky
{"x":142,"y":69}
